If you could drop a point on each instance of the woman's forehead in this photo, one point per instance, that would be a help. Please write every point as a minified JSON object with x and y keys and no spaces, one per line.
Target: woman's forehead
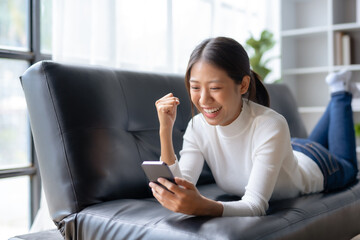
{"x":202,"y":70}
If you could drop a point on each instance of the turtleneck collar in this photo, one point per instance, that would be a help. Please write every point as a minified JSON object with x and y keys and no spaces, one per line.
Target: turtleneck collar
{"x":239,"y":125}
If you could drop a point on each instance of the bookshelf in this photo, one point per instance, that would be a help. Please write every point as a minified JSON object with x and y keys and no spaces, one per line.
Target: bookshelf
{"x":309,"y":47}
{"x":309,"y":36}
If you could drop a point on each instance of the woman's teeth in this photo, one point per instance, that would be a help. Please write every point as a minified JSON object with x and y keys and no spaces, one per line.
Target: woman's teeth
{"x":211,"y":110}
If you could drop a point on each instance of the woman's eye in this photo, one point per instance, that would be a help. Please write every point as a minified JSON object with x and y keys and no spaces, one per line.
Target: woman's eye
{"x":194,"y":88}
{"x":215,"y":88}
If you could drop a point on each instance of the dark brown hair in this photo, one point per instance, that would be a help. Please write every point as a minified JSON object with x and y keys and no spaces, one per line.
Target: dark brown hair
{"x":229,"y":55}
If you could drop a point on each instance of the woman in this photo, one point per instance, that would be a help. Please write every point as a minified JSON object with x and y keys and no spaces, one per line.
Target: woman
{"x":246,"y":144}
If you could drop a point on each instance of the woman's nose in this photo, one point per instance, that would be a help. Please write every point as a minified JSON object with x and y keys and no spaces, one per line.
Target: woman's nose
{"x":204,"y":97}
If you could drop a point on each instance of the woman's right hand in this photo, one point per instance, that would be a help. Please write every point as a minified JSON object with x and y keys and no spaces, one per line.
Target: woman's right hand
{"x":166,"y":110}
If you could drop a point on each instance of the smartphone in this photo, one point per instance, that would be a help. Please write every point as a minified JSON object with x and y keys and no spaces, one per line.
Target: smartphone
{"x":157,"y":169}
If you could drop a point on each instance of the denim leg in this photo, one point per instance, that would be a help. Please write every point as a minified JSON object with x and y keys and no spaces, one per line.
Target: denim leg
{"x":320,"y":133}
{"x":341,"y":137}
{"x":334,"y":131}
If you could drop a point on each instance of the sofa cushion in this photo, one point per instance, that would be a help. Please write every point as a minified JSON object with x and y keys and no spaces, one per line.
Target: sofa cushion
{"x":314,"y":216}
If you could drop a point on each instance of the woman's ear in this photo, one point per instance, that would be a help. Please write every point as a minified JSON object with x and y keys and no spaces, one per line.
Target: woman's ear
{"x":245,"y":84}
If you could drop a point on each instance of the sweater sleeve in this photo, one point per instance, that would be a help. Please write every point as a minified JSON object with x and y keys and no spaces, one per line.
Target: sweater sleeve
{"x":191,"y":160}
{"x":271,"y":145}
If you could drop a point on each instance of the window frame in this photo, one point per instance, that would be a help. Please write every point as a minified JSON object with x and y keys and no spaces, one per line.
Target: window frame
{"x":32,"y":56}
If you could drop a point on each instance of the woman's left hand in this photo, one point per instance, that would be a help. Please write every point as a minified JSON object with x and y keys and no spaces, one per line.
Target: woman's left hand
{"x":184,"y":198}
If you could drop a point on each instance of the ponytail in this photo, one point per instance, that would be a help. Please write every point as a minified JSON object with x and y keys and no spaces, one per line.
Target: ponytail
{"x":257,"y":91}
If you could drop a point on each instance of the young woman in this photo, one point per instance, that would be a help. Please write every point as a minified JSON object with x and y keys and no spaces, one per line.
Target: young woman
{"x":246,"y":144}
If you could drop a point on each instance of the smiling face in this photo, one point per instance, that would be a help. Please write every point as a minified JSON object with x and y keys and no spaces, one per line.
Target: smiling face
{"x":215,"y":94}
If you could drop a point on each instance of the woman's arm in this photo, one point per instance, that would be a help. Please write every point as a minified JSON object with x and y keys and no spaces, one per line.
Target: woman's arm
{"x":271,"y":146}
{"x":183,"y":197}
{"x":166,"y":109}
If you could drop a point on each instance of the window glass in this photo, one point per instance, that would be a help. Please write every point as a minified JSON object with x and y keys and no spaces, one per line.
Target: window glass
{"x":14,"y":207}
{"x":239,"y":19}
{"x":46,"y":26}
{"x":14,"y":24}
{"x":14,"y":127}
{"x":232,"y":22}
{"x":192,"y":21}
{"x":142,"y":34}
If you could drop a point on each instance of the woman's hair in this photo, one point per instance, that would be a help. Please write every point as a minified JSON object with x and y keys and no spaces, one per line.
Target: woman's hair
{"x":229,"y":55}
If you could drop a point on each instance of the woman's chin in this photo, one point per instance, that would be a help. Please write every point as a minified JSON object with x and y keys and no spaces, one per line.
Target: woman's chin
{"x":212,"y":119}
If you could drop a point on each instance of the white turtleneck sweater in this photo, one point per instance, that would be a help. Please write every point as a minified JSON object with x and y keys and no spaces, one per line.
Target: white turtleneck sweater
{"x":251,"y":157}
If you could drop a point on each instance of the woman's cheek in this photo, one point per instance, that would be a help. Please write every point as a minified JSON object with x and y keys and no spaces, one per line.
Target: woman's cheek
{"x":194,"y":99}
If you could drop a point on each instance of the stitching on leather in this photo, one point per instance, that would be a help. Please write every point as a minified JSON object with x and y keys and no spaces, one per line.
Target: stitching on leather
{"x":125,"y":101}
{"x":127,"y":116}
{"x":61,"y":135}
{"x":74,"y":130}
{"x":348,"y":204}
{"x":146,"y":226}
{"x":180,"y":109}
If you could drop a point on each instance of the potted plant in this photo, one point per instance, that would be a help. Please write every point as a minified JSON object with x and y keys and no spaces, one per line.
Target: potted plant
{"x":257,"y":48}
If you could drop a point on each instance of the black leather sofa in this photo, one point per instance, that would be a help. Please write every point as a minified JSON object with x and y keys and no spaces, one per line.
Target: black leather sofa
{"x":93,"y":127}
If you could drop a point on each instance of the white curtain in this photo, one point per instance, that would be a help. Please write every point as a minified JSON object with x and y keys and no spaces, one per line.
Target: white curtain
{"x":151,"y":35}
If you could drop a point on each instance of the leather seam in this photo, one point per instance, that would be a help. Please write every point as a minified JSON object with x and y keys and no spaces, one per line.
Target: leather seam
{"x":126,"y":105}
{"x":142,"y":225}
{"x":61,"y":135}
{"x":354,"y":201}
{"x":127,"y":116}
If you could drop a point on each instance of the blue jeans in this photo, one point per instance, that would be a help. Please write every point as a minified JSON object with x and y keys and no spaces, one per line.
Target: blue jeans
{"x":332,"y":143}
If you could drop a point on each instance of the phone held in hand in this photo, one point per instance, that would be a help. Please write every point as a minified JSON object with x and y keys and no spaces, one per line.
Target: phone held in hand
{"x":157,"y":169}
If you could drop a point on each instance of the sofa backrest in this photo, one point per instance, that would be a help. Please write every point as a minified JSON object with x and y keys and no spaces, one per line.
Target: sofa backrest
{"x":94,"y":126}
{"x":282,"y":101}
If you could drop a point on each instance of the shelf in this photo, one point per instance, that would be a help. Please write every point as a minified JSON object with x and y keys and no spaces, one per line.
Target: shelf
{"x":311,"y":109}
{"x":324,"y":69}
{"x":346,"y":27}
{"x":310,"y":70}
{"x":352,"y":67}
{"x":304,"y":31}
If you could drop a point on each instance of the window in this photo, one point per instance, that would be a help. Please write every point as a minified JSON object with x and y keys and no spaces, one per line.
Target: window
{"x":145,"y":24}
{"x":156,"y":35}
{"x":123,"y":34}
{"x":21,"y":44}
{"x":14,"y":15}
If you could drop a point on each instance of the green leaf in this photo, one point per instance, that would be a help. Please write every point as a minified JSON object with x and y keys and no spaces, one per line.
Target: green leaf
{"x":257,"y":48}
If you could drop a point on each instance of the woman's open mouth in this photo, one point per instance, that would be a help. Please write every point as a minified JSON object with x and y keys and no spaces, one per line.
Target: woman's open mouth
{"x":211,"y":112}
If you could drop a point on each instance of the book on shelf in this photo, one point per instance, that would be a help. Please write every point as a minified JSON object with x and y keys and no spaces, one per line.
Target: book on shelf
{"x":342,"y":48}
{"x":338,"y":48}
{"x":346,"y":54}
